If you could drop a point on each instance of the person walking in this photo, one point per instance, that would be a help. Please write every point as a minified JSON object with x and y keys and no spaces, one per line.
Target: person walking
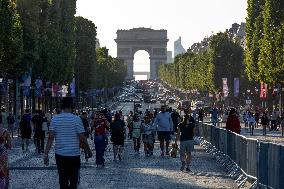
{"x":37,"y":121}
{"x":129,"y":121}
{"x":101,"y":125}
{"x":264,"y":120}
{"x":214,"y":116}
{"x":164,"y":124}
{"x":117,"y":136}
{"x":136,"y":133}
{"x":233,"y":122}
{"x":273,"y":121}
{"x":148,"y":135}
{"x":5,"y":145}
{"x":252,"y":123}
{"x":11,"y":122}
{"x":176,"y":119}
{"x":185,"y":134}
{"x":26,"y":129}
{"x":68,"y":131}
{"x":84,"y":118}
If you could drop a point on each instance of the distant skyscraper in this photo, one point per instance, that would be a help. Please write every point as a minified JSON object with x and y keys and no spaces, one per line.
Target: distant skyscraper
{"x":178,"y":49}
{"x":98,"y":45}
{"x":169,"y":57}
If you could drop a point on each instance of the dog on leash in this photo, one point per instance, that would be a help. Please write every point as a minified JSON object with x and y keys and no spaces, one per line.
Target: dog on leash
{"x":173,"y":151}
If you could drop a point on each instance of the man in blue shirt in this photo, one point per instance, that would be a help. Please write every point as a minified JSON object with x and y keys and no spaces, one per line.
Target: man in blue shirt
{"x":164,"y":125}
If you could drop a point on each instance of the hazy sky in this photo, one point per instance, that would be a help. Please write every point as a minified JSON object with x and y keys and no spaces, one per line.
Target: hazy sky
{"x":191,"y":19}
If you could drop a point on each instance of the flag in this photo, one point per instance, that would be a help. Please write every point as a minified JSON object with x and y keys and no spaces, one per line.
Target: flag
{"x":225,"y":87}
{"x":263,"y":90}
{"x":64,"y":90}
{"x":48,"y":88}
{"x":72,"y":88}
{"x":236,"y":86}
{"x":38,"y":87}
{"x":27,"y":79}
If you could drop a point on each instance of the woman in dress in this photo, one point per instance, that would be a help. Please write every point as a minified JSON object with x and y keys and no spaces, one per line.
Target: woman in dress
{"x":117,"y":136}
{"x":5,"y":144}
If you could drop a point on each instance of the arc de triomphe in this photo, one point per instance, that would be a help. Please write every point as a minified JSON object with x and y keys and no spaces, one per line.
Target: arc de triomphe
{"x":133,"y":40}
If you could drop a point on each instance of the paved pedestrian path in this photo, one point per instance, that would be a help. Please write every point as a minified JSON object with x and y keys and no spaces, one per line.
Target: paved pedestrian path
{"x":134,"y":171}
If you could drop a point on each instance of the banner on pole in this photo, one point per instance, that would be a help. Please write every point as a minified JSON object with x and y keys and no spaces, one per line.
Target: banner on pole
{"x":225,"y":87}
{"x":72,"y":88}
{"x":263,"y":90}
{"x":236,"y":86}
{"x":38,"y":88}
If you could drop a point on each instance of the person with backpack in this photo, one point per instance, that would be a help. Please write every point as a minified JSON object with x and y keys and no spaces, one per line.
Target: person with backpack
{"x":100,"y":127}
{"x":11,"y":121}
{"x":26,"y":129}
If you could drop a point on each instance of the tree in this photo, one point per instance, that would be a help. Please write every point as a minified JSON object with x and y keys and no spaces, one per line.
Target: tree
{"x":254,"y":34}
{"x":11,"y":42}
{"x":85,"y":64}
{"x":111,"y":71}
{"x":227,"y":58}
{"x":60,"y":45}
{"x":29,"y":15}
{"x":270,"y":68}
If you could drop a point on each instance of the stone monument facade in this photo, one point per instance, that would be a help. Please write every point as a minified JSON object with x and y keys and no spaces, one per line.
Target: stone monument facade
{"x":133,"y":40}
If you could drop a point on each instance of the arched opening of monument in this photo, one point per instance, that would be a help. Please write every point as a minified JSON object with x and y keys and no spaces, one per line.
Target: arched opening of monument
{"x":141,"y":65}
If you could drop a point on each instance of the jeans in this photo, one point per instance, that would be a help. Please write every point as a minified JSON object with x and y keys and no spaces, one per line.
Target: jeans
{"x":100,"y":145}
{"x":68,"y":169}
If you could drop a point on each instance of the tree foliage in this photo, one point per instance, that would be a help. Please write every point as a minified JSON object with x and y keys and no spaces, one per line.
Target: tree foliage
{"x":227,"y":58}
{"x":189,"y":72}
{"x":85,"y":64}
{"x":11,"y":41}
{"x":110,"y":72}
{"x":49,"y":38}
{"x":204,"y":71}
{"x":264,"y":53}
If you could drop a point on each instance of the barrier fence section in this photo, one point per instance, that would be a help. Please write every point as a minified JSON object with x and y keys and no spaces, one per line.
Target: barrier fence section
{"x":262,"y":160}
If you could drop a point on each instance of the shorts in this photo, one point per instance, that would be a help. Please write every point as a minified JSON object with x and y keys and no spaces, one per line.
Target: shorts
{"x":186,"y":146}
{"x":164,"y":135}
{"x":148,"y":139}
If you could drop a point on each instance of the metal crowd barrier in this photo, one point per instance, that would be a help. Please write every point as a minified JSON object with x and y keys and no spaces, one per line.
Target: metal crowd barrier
{"x":238,"y":154}
{"x":245,"y":159}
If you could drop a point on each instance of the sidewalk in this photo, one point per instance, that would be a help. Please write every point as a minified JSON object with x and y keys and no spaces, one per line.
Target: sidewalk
{"x":134,"y":171}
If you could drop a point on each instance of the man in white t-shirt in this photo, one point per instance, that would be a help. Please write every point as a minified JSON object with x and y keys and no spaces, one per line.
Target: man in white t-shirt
{"x":68,"y":131}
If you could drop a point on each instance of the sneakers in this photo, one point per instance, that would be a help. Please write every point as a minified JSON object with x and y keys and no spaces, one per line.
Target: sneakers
{"x":187,"y":169}
{"x":119,"y":157}
{"x":162,"y":154}
{"x":182,"y":167}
